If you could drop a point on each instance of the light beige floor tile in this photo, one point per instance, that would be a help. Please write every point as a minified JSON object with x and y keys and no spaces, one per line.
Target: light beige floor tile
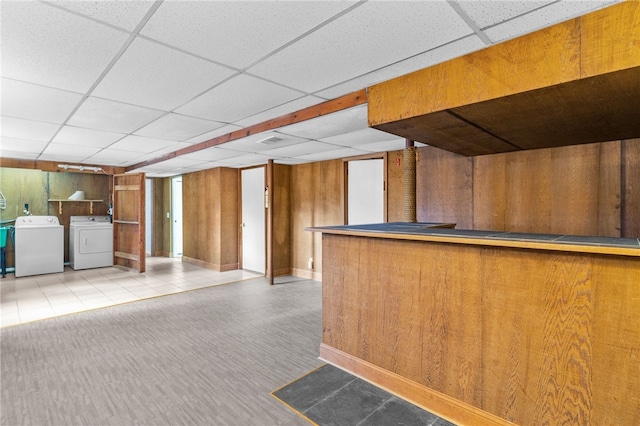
{"x":9,"y":318}
{"x":27,"y":315}
{"x":29,"y":304}
{"x":9,"y":306}
{"x":68,"y":308}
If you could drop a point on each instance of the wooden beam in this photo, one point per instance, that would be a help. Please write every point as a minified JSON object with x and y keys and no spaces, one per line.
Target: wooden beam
{"x":344,"y":102}
{"x":573,"y":83}
{"x":52,"y":166}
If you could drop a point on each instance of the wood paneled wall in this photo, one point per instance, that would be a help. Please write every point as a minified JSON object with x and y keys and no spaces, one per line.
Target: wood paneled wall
{"x":35,"y":187}
{"x":583,"y":189}
{"x":555,"y":344}
{"x":161,"y":239}
{"x":210,"y":217}
{"x":281,"y":205}
{"x":317,"y":198}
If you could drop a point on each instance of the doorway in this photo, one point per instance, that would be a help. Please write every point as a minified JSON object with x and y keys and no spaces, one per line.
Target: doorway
{"x":176,"y":216}
{"x":253,"y":219}
{"x":148,"y":211}
{"x":365,"y":191}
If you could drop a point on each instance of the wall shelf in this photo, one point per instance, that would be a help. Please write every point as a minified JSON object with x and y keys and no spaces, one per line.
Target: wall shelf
{"x":59,"y":201}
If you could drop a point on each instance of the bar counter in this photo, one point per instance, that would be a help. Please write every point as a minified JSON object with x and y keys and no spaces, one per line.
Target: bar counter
{"x":485,"y":327}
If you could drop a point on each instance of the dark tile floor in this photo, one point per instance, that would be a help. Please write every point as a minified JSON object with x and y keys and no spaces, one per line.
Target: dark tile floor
{"x":329,"y":396}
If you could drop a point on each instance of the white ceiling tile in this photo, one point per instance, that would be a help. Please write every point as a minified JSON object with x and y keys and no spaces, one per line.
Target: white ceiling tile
{"x":360,"y":137}
{"x":175,"y":146}
{"x":238,"y":98}
{"x":78,"y":136}
{"x":302,"y":149}
{"x":123,"y":14}
{"x":423,"y":60}
{"x":487,"y":13}
{"x":213,"y":154}
{"x":156,"y":76}
{"x":34,"y":102}
{"x":45,"y":45}
{"x":22,"y":145}
{"x":178,"y":162}
{"x":66,"y":158}
{"x":224,"y":130}
{"x":70,"y":150}
{"x":102,"y":114}
{"x":178,"y":127}
{"x":27,"y":129}
{"x":251,"y":143}
{"x":140,"y":144}
{"x":345,"y":121}
{"x":369,"y":37}
{"x":19,"y":155}
{"x":112,"y":157}
{"x":246,"y":160}
{"x":278,"y":111}
{"x":236,"y":33}
{"x":331,"y":155}
{"x":544,"y":17}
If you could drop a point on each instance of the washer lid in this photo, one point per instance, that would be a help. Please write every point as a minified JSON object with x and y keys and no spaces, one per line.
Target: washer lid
{"x":26,"y":221}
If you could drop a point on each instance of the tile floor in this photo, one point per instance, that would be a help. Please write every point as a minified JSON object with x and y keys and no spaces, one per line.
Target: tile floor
{"x":37,"y":297}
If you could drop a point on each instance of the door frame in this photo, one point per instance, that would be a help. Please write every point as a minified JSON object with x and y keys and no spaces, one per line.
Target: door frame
{"x":345,"y":181}
{"x":267,"y":215}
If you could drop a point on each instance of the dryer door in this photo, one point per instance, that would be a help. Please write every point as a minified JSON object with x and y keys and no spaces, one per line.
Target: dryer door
{"x":95,"y":240}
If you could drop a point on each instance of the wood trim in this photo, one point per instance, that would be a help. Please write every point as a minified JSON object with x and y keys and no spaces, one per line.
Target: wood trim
{"x":533,"y":245}
{"x":282,"y":272}
{"x":124,"y":255}
{"x":435,"y":402}
{"x":305,"y":273}
{"x":344,"y":102}
{"x":210,"y":265}
{"x":270,"y":200}
{"x":127,"y":188}
{"x":52,"y":166}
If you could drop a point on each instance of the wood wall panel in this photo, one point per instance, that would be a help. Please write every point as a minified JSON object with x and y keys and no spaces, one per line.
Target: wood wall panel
{"x":317,"y":198}
{"x":395,"y":186}
{"x":444,"y":187}
{"x":281,"y":204}
{"x":129,"y":221}
{"x":631,"y":180}
{"x":210,"y":215}
{"x":556,"y":343}
{"x":161,"y":238}
{"x":490,"y":192}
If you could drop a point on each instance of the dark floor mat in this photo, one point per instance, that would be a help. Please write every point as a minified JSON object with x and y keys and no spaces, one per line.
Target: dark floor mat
{"x":329,"y":396}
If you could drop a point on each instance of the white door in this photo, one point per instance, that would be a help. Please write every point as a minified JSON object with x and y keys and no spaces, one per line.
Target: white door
{"x":148,"y":211}
{"x":253,"y":220}
{"x":365,"y":192}
{"x":176,"y":216}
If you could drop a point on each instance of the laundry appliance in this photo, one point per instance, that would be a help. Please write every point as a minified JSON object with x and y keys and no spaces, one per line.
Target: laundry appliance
{"x":39,"y":245}
{"x":90,"y":242}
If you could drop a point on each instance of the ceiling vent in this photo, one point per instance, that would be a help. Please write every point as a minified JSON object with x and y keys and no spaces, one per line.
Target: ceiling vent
{"x":270,"y":140}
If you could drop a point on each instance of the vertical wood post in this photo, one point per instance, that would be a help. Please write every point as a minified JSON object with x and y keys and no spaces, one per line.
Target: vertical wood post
{"x":409,"y":156}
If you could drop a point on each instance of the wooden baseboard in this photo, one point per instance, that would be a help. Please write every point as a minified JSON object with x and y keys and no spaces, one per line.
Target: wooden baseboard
{"x":209,"y":265}
{"x":282,"y":272}
{"x":433,"y":401}
{"x":304,"y":273}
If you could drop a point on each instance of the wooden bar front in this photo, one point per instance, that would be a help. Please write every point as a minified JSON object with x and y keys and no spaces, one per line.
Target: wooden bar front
{"x":487,"y":334}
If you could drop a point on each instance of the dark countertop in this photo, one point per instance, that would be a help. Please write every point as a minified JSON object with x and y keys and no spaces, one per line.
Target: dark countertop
{"x":447,"y":230}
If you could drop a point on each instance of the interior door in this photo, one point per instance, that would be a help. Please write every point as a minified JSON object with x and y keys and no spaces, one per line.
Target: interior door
{"x":176,"y":216}
{"x":253,"y":220}
{"x":365,"y":191}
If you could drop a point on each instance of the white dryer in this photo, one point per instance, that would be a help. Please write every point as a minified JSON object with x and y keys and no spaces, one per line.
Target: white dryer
{"x":90,"y":242}
{"x":39,"y":245}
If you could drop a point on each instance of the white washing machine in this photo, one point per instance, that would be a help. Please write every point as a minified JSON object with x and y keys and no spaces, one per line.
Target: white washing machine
{"x":39,"y":245}
{"x":90,"y":242}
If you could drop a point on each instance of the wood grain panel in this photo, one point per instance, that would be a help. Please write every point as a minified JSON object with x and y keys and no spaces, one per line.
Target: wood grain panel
{"x":610,"y":39}
{"x":529,"y":178}
{"x":546,"y":57}
{"x":556,"y":343}
{"x":281,"y":204}
{"x":129,"y":221}
{"x":395,"y":186}
{"x":616,"y":342}
{"x":631,"y":180}
{"x":210,"y":217}
{"x":317,"y":199}
{"x":490,"y":192}
{"x":444,"y":188}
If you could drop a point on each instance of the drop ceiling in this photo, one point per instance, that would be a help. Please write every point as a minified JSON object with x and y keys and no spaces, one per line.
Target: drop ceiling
{"x":118,"y":83}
